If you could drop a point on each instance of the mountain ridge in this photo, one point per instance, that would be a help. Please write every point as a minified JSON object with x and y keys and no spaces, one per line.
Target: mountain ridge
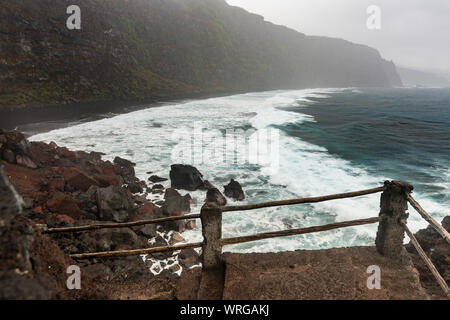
{"x":141,"y":49}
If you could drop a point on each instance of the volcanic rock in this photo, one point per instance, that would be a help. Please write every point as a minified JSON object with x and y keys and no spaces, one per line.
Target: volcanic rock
{"x":155,"y":178}
{"x":113,"y":204}
{"x":64,"y":204}
{"x":234,"y":190}
{"x":214,"y":195}
{"x":76,"y":178}
{"x":437,"y":249}
{"x":176,"y":205}
{"x":186,"y":177}
{"x":124,"y":162}
{"x":8,"y":156}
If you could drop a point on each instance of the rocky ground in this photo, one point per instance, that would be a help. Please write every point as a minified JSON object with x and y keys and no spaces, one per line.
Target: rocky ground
{"x":47,"y":186}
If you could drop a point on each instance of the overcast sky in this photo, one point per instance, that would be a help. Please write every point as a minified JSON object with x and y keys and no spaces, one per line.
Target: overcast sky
{"x":414,"y":33}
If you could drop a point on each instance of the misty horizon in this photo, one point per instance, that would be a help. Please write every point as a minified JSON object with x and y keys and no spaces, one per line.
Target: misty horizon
{"x":428,"y":50}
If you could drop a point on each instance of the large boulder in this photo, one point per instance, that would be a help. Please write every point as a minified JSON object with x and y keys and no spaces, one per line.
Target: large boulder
{"x":186,"y":177}
{"x":113,"y":204}
{"x":234,"y":190}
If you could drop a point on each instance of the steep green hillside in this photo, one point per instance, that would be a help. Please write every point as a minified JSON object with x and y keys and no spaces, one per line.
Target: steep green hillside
{"x":139,"y":49}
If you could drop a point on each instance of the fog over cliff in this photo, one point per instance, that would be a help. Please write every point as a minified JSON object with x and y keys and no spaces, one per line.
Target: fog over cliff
{"x":413,"y":33}
{"x":141,"y":49}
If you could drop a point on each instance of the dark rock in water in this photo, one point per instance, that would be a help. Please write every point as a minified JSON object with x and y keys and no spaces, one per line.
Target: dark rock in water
{"x":186,"y":177}
{"x":113,"y":204}
{"x":214,"y":195}
{"x":155,"y":178}
{"x":157,"y":187}
{"x":234,"y":190}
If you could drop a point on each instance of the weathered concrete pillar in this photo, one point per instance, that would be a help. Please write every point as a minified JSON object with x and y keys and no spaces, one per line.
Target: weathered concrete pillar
{"x":390,"y":235}
{"x":211,"y":217}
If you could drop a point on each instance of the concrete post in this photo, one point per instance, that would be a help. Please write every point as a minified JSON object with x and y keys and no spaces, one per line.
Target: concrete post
{"x":390,"y":235}
{"x":211,"y":217}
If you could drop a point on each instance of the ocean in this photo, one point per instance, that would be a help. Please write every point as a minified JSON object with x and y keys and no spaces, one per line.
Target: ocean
{"x":309,"y":143}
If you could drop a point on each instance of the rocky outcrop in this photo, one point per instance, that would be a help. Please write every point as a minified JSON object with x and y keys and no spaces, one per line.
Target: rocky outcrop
{"x":71,"y":188}
{"x":155,"y":178}
{"x":438,"y":250}
{"x":215,"y":196}
{"x":234,"y":190}
{"x":177,"y":205}
{"x":128,"y":175}
{"x":15,"y":149}
{"x":31,"y":267}
{"x":113,"y":204}
{"x":186,"y":177}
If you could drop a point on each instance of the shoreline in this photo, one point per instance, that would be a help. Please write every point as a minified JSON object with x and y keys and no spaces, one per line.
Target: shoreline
{"x":39,"y":119}
{"x":36,"y":119}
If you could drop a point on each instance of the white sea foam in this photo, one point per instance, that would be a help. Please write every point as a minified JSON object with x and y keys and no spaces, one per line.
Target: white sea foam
{"x":146,"y":138}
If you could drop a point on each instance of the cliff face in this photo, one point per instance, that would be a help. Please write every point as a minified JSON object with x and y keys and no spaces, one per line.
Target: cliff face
{"x":137,"y":49}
